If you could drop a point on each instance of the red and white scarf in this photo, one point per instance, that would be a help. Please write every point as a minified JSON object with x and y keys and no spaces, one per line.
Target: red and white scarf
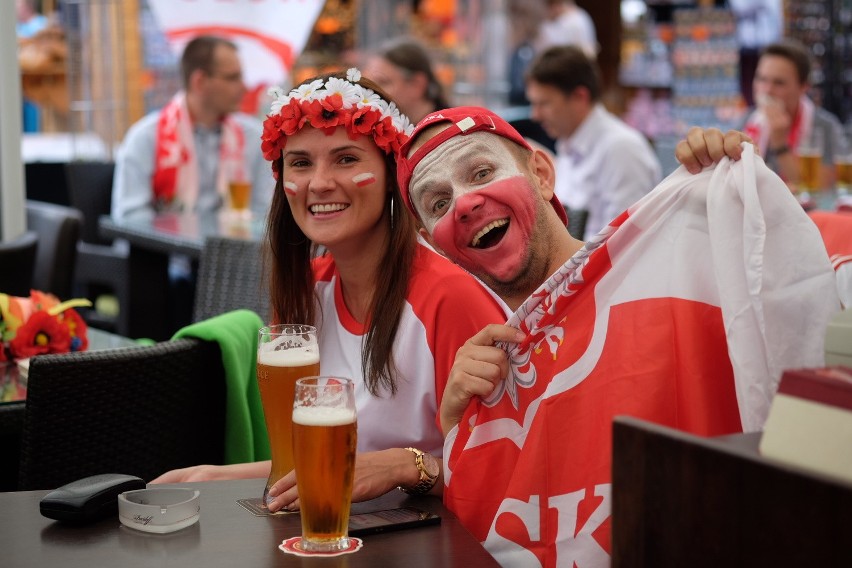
{"x":836,"y":230}
{"x":683,"y":311}
{"x":175,"y":179}
{"x":757,"y":127}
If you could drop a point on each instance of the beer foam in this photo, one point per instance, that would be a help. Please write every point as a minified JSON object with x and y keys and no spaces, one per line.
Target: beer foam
{"x":296,"y":357}
{"x":322,"y":416}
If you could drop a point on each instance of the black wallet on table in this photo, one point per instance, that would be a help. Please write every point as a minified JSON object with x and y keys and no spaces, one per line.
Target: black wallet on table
{"x":88,"y":499}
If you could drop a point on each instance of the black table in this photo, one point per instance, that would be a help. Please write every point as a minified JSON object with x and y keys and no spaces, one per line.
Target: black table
{"x":226,"y":535}
{"x":152,"y":241}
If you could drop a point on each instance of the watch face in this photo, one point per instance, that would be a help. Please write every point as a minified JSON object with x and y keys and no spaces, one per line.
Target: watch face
{"x":430,"y":464}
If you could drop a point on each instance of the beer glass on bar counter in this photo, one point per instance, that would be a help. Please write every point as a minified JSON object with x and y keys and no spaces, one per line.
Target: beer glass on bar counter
{"x":285,"y":353}
{"x":324,"y":441}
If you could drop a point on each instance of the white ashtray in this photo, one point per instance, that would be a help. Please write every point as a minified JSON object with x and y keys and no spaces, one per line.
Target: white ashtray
{"x":160,"y":510}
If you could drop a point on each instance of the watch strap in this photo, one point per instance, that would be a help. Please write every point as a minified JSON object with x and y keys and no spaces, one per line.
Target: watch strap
{"x":426,"y":482}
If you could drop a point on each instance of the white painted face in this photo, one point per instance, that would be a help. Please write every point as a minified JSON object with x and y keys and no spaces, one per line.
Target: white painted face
{"x":479,"y":205}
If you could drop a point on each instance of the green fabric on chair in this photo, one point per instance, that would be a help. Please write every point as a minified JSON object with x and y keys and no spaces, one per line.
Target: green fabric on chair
{"x":246,"y":439}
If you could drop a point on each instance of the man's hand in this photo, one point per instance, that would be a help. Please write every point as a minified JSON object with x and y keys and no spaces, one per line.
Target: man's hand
{"x":478,"y":367}
{"x":778,"y":120}
{"x":704,"y":147}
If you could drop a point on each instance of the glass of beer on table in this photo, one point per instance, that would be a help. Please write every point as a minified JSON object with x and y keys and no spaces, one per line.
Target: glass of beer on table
{"x":285,"y":353}
{"x":324,"y":441}
{"x":810,"y":150}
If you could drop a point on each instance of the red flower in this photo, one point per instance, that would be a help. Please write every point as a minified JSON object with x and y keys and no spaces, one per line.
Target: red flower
{"x":292,"y":118}
{"x":385,"y":135}
{"x":362,"y":121}
{"x":41,"y":333}
{"x":326,"y":113}
{"x":272,"y":139}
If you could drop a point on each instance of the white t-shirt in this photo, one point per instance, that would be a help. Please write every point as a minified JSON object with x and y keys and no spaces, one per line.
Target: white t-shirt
{"x":445,"y":307}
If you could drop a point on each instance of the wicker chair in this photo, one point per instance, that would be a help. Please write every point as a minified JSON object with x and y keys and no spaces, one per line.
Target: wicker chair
{"x":137,"y":410}
{"x":18,"y":257}
{"x":230,"y":277}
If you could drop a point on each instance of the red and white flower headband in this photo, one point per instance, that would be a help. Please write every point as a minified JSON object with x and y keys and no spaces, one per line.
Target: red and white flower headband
{"x":337,"y":102}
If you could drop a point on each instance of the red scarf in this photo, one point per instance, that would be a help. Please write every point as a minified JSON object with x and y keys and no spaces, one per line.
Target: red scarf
{"x":683,"y":311}
{"x":175,"y":178}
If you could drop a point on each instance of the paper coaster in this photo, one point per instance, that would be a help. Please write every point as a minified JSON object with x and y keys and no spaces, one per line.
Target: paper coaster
{"x":294,"y":546}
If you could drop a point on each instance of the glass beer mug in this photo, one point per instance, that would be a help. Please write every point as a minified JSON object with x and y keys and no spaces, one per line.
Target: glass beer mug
{"x":285,"y":353}
{"x":324,"y":442}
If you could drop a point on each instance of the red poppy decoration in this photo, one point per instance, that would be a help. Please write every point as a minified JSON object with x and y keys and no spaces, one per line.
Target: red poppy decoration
{"x":41,"y":333}
{"x":40,"y":324}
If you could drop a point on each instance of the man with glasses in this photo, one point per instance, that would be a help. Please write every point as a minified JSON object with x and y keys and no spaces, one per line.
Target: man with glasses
{"x":182,"y":157}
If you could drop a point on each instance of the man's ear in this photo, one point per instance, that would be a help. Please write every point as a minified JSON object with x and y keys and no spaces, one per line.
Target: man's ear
{"x":543,"y":170}
{"x":196,"y":78}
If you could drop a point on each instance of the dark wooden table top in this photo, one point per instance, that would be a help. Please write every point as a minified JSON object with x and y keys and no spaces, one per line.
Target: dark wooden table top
{"x":226,"y":535}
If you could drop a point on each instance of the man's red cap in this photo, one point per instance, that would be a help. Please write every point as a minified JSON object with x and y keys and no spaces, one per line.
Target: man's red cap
{"x":465,"y":120}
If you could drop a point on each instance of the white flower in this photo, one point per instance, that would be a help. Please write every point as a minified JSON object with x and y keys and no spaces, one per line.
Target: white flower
{"x":403,"y":124}
{"x":277,"y":105}
{"x":308,"y":91}
{"x":382,"y":106}
{"x":275,"y":92}
{"x":368,"y":97}
{"x":353,"y":75}
{"x":345,"y":89}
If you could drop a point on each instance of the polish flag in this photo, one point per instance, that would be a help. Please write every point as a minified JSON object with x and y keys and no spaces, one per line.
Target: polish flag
{"x":684,"y":311}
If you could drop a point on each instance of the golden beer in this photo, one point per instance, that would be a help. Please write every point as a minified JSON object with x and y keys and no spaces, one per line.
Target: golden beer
{"x":324,"y":441}
{"x":240,"y":192}
{"x":844,"y":173}
{"x":277,"y":373}
{"x":285,"y":354}
{"x":809,"y":166}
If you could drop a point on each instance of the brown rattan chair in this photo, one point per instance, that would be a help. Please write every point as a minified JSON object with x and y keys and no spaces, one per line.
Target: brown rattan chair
{"x":138,"y":410}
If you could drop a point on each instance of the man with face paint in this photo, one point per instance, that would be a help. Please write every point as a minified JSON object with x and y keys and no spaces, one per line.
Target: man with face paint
{"x":651,"y":318}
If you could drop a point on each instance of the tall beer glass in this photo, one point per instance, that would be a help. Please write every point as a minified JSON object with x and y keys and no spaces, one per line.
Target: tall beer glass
{"x":324,"y":439}
{"x":810,"y":151}
{"x":285,"y":353}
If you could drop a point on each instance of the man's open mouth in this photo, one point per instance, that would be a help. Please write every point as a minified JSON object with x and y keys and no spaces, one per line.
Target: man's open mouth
{"x":491,"y":234}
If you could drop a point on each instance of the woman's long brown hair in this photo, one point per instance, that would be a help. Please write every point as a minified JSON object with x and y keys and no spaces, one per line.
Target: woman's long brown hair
{"x":288,"y":253}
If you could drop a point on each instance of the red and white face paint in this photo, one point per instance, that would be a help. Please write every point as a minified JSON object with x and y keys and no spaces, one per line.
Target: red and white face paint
{"x":478,"y":205}
{"x":290,"y":187}
{"x":364,"y":179}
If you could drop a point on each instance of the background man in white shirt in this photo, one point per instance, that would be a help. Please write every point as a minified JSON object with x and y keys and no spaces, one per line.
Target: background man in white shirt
{"x":602,"y":165}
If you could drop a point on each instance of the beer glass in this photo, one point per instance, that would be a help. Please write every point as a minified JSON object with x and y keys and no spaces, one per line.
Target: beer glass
{"x":810,"y":159}
{"x":285,"y":353}
{"x":239,"y":192}
{"x":324,"y":439}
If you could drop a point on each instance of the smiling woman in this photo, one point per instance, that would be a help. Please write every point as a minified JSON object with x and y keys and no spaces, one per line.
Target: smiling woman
{"x":390,"y":312}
